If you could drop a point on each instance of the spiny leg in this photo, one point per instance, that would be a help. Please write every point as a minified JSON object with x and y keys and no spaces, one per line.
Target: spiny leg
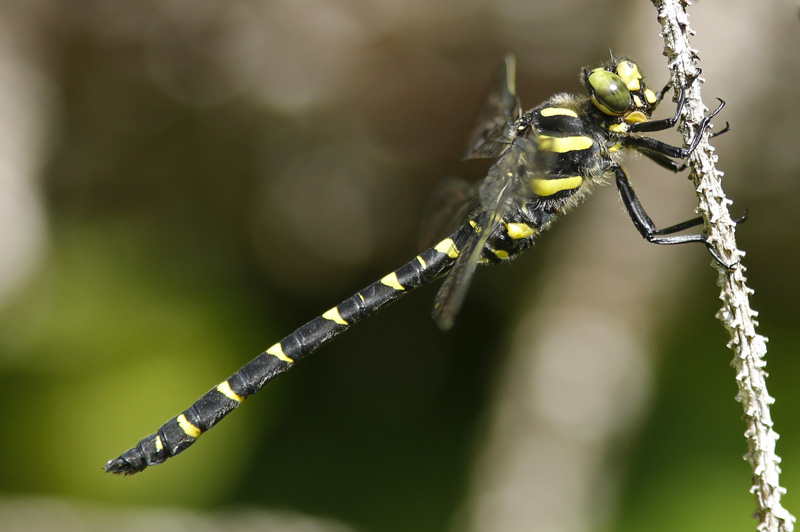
{"x":666,"y":123}
{"x":659,"y":151}
{"x":648,"y":229}
{"x":662,"y":160}
{"x":660,"y":95}
{"x":655,"y":151}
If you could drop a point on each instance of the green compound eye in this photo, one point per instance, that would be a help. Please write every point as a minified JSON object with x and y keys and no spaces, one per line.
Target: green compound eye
{"x":608,"y":92}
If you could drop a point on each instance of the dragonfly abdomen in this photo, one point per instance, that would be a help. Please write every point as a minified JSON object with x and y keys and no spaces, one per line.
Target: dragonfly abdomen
{"x":180,"y":432}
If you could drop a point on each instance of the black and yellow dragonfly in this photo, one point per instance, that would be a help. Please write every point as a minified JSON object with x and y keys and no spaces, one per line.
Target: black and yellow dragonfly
{"x":548,"y":160}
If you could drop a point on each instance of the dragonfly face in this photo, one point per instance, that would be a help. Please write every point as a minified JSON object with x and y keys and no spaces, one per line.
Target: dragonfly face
{"x":618,"y":90}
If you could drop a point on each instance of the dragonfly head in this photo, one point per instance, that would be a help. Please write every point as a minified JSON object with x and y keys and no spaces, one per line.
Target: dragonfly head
{"x":618,"y":90}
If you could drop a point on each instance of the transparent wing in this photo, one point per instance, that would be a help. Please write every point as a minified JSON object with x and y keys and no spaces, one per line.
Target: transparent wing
{"x":447,"y":207}
{"x":451,"y":295}
{"x":494,"y":129}
{"x":505,"y":185}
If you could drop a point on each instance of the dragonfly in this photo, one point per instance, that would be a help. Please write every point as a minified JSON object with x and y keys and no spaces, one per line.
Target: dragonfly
{"x":548,"y":160}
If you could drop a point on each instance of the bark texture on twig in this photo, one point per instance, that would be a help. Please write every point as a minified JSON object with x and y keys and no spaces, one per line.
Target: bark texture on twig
{"x":736,"y":314}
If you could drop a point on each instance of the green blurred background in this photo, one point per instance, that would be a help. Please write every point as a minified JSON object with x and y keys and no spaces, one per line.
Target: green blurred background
{"x":184,"y":182}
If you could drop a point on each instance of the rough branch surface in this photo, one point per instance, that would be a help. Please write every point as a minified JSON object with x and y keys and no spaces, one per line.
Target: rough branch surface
{"x":736,"y":314}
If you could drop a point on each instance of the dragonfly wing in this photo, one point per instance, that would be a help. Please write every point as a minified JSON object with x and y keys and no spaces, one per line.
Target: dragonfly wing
{"x":454,"y":289}
{"x":448,"y":206}
{"x":504,"y":185}
{"x":494,"y":129}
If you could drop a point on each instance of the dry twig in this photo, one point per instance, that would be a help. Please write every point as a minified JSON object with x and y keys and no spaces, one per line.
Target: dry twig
{"x":736,"y":314}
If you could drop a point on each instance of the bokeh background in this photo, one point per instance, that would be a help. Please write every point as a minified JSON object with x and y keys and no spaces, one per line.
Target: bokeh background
{"x":184,"y":182}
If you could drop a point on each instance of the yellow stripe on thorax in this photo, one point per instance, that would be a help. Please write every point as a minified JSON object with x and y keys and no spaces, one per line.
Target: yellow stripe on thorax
{"x":548,"y":187}
{"x":566,"y":144}
{"x":187,"y":427}
{"x":334,"y":316}
{"x":519,"y":230}
{"x":500,"y":254}
{"x":558,"y":111}
{"x":225,"y":389}
{"x":392,"y":281}
{"x":277,"y":351}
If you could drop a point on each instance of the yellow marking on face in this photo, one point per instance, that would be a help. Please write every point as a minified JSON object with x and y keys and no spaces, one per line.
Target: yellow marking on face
{"x":650,"y":96}
{"x":334,"y":316}
{"x":629,"y":72}
{"x":361,"y":298}
{"x":225,"y":389}
{"x":472,"y":223}
{"x":618,"y":128}
{"x":277,"y":351}
{"x":548,"y":187}
{"x":637,"y":101}
{"x":159,"y":443}
{"x":519,"y":230}
{"x":500,"y":254}
{"x":566,"y":144}
{"x":422,"y":262}
{"x":391,"y":281}
{"x":187,"y":427}
{"x":558,"y":111}
{"x":635,"y":116}
{"x":448,"y":247}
